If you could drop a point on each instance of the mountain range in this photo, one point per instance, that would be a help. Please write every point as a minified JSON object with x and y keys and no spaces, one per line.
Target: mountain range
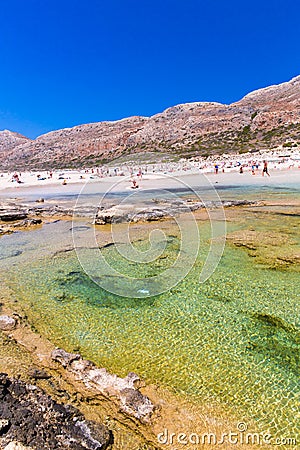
{"x":264,"y":119}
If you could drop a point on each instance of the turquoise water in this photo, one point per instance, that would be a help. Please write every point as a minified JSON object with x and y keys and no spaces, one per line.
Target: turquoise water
{"x":233,"y":340}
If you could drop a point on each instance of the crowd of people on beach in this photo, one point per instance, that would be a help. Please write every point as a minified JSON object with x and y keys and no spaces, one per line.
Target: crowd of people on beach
{"x":255,"y":166}
{"x":226,"y":163}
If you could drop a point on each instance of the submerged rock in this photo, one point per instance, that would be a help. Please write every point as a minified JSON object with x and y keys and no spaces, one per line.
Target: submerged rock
{"x":38,"y":374}
{"x":276,"y":250}
{"x":9,"y":253}
{"x":274,"y":321}
{"x":34,"y":419}
{"x":27,"y":223}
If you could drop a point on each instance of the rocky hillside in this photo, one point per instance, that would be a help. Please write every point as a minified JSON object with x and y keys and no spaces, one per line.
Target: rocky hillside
{"x":10,"y":140}
{"x":262,"y":119}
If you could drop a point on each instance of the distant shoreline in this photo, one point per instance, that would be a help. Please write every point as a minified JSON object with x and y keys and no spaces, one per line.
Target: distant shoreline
{"x":240,"y":169}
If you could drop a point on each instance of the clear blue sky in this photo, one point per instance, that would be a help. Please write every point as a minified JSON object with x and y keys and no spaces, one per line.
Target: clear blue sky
{"x":67,"y":62}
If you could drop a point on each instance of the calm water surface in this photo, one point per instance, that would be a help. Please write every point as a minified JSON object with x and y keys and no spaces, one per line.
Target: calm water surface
{"x":233,"y":340}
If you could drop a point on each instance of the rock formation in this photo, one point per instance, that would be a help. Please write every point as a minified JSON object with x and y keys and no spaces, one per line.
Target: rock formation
{"x":29,"y":418}
{"x":131,"y":401}
{"x":16,"y":216}
{"x":262,"y":119}
{"x":9,"y":140}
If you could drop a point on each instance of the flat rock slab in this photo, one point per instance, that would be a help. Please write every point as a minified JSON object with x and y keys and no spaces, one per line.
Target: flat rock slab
{"x":12,"y":216}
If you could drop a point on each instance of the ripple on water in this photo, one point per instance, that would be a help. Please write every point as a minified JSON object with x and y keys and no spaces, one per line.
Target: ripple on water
{"x":233,"y":339}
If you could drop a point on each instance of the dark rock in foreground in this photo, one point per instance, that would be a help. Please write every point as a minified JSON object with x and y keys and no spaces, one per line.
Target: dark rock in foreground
{"x":11,"y":216}
{"x":33,"y":418}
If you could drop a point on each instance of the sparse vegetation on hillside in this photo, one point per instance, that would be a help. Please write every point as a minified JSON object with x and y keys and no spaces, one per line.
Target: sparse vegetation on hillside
{"x":266,"y":119}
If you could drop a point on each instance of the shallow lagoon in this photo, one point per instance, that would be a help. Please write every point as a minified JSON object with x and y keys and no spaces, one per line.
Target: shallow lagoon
{"x":232,"y":341}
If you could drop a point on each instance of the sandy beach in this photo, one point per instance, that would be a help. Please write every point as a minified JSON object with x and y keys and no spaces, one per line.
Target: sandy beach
{"x":72,"y":182}
{"x":47,"y":291}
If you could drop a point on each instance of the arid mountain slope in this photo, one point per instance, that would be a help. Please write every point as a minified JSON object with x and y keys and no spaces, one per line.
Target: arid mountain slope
{"x":9,"y":140}
{"x":264,"y":118}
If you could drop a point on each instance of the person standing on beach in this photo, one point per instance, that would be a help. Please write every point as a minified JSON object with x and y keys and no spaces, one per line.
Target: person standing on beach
{"x":265,"y":169}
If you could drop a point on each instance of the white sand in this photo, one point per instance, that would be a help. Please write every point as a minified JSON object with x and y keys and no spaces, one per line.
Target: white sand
{"x":192,"y":178}
{"x":283,"y":170}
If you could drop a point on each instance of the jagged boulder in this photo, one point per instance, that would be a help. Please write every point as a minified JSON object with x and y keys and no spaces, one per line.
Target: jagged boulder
{"x":126,"y":390}
{"x":31,"y":418}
